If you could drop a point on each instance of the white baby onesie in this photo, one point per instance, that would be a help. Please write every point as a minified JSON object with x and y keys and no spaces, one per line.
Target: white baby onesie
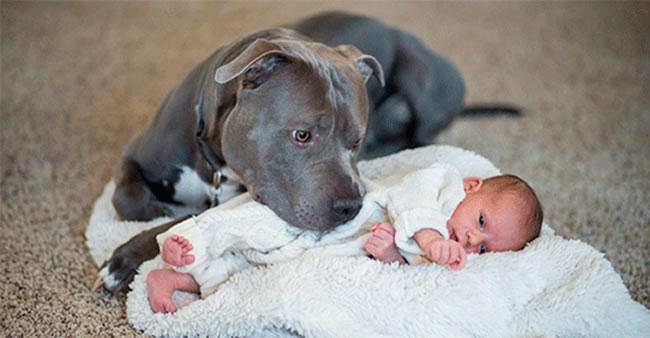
{"x":241,"y":232}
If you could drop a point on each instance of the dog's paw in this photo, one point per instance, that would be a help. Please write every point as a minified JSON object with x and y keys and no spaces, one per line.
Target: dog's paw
{"x":116,"y":273}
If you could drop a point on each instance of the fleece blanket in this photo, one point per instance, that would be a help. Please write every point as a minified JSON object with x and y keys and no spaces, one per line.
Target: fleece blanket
{"x":554,"y":287}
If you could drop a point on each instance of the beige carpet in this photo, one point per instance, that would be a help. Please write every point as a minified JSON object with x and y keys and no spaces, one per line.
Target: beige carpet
{"x":80,"y":79}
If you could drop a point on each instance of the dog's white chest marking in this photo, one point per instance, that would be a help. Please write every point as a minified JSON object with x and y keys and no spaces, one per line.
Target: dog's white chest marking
{"x":192,"y":190}
{"x":231,"y":187}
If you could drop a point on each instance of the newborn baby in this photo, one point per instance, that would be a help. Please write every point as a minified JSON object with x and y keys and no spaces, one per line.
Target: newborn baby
{"x":428,"y":215}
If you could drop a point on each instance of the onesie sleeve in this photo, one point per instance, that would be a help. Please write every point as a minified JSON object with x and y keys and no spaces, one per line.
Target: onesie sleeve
{"x":423,"y":199}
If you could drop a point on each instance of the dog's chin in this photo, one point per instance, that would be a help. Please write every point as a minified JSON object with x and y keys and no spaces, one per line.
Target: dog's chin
{"x":319,"y":224}
{"x":308,"y":216}
{"x":307,"y":221}
{"x":317,"y":227}
{"x":303,"y":215}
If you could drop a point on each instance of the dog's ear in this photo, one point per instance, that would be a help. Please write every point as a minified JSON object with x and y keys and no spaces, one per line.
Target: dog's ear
{"x":255,"y":63}
{"x":366,"y":64}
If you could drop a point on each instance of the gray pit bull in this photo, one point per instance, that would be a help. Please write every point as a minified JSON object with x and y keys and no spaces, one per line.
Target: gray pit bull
{"x":284,"y":115}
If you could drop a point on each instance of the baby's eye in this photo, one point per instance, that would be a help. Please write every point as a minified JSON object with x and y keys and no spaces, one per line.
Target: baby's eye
{"x":481,"y":249}
{"x":481,"y":222}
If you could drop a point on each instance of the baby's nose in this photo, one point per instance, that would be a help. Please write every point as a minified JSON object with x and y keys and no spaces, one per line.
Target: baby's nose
{"x":474,"y":237}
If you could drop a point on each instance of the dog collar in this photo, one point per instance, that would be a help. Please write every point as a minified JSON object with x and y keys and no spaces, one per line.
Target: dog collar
{"x":207,"y":153}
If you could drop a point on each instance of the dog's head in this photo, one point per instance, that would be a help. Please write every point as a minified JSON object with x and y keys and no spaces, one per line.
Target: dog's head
{"x":297,"y":122}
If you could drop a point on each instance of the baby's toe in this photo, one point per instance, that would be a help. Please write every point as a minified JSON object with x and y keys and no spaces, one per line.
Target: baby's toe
{"x":169,"y":307}
{"x":185,"y":251}
{"x":157,"y":306}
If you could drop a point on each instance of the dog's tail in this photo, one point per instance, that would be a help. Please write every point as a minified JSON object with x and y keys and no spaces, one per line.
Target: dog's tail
{"x":485,"y":110}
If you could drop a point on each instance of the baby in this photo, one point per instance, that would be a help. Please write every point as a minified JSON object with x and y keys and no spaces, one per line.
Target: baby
{"x":501,"y":213}
{"x":429,"y":215}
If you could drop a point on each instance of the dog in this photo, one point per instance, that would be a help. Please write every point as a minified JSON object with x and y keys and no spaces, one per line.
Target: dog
{"x":284,"y":114}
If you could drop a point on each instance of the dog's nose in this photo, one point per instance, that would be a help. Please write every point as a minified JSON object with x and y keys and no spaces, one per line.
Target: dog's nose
{"x":346,"y":208}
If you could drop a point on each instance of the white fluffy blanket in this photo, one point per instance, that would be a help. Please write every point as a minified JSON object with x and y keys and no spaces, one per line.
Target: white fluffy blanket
{"x":554,"y":287}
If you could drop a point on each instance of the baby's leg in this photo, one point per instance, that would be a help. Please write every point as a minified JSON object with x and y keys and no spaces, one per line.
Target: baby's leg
{"x":161,"y":284}
{"x":175,"y":251}
{"x":220,"y":269}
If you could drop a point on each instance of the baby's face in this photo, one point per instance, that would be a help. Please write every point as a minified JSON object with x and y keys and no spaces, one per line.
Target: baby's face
{"x":487,"y":221}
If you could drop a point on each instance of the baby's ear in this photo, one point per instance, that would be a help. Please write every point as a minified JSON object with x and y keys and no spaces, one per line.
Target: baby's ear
{"x":472,"y":184}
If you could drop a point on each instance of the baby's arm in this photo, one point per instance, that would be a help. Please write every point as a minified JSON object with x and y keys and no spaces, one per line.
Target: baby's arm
{"x":421,"y":200}
{"x":439,"y":250}
{"x":420,"y":205}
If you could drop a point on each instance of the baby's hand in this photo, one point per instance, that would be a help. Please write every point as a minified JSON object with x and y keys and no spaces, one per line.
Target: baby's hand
{"x":381,"y":244}
{"x":446,"y":252}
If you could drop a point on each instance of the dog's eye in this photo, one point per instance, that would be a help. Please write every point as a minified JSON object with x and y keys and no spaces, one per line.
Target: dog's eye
{"x":301,"y":136}
{"x":356,"y":145}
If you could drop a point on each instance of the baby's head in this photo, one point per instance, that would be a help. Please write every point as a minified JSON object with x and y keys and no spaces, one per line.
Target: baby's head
{"x":501,"y":213}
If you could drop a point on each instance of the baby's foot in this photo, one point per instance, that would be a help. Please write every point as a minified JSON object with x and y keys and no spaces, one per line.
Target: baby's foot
{"x":160,"y":288}
{"x":175,"y":251}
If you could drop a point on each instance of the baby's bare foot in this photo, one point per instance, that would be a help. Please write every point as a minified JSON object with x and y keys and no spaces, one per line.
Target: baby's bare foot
{"x":175,"y":251}
{"x":159,"y":291}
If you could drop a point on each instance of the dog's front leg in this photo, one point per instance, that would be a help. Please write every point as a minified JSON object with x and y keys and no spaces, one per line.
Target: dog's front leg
{"x":133,"y":200}
{"x":118,"y":271}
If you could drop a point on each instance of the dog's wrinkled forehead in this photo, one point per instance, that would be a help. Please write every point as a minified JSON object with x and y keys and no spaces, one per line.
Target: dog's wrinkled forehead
{"x":332,"y":64}
{"x":346,"y":59}
{"x":341,"y":81}
{"x":339,"y":89}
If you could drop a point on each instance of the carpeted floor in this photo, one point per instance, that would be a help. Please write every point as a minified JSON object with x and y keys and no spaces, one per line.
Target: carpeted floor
{"x":80,"y":79}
